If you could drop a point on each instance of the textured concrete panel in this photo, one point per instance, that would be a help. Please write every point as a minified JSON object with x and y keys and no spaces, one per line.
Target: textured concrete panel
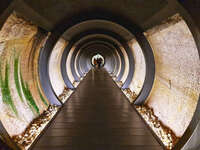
{"x":140,"y":67}
{"x":54,"y":67}
{"x":20,"y":94}
{"x":176,"y":89}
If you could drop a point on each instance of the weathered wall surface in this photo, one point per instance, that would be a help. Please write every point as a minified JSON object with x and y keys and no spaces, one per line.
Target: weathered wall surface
{"x":54,"y":67}
{"x":139,"y":69}
{"x":68,"y":65}
{"x":177,"y":84}
{"x":120,"y":64}
{"x":21,"y":99}
{"x":126,"y":70}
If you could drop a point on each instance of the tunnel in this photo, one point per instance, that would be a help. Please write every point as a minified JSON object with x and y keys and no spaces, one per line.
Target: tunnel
{"x":109,"y":75}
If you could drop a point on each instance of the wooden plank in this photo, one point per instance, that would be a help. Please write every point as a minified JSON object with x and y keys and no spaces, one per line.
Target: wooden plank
{"x":97,"y":116}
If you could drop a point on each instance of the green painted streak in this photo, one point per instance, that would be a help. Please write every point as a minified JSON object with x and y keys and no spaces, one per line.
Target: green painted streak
{"x":1,"y":80}
{"x":6,"y":95}
{"x":16,"y":76}
{"x":31,"y":100}
{"x":29,"y":96}
{"x":42,"y":98}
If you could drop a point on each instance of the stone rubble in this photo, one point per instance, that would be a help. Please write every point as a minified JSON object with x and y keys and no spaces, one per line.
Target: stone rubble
{"x":75,"y":83}
{"x":25,"y":140}
{"x":130,"y":95}
{"x":119,"y":83}
{"x":166,"y":135}
{"x":114,"y":77}
{"x":65,"y":94}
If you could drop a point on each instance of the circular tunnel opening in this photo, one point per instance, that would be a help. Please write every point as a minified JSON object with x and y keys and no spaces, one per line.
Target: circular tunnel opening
{"x":47,"y":67}
{"x":98,"y":61}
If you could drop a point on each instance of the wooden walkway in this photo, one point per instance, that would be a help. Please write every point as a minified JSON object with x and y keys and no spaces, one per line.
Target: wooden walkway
{"x":97,"y":117}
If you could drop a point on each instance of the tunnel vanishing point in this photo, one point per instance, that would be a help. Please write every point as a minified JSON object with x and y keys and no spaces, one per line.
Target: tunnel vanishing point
{"x":99,"y":74}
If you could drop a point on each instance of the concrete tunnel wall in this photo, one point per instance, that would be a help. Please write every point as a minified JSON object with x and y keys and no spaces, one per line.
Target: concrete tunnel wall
{"x":177,"y":75}
{"x":130,"y":70}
